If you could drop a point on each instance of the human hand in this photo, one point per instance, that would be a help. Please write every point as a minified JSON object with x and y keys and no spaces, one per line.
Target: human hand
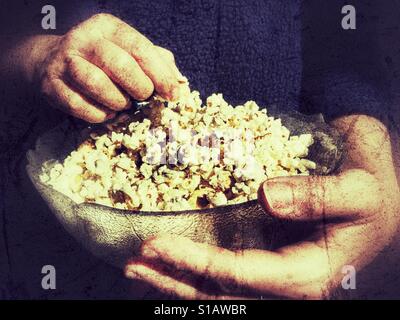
{"x":358,"y":214}
{"x":92,"y":71}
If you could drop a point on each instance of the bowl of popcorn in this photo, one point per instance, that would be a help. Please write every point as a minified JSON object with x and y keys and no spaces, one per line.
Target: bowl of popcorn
{"x":186,"y":168}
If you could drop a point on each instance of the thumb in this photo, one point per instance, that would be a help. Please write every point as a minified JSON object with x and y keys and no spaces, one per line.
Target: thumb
{"x":351,"y":194}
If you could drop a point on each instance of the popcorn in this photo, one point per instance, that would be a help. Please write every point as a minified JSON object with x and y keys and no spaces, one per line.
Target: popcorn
{"x":191,"y":156}
{"x":219,"y":199}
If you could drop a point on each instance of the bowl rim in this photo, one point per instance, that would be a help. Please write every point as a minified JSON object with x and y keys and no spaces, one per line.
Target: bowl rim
{"x":225,"y":208}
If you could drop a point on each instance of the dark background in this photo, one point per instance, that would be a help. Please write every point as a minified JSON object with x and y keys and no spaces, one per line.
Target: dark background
{"x":30,"y":236}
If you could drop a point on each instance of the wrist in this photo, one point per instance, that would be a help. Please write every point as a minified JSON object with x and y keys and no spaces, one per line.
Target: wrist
{"x":39,"y":48}
{"x":26,"y":58}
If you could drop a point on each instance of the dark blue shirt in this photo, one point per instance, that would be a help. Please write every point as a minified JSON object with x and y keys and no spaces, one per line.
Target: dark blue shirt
{"x":293,"y":54}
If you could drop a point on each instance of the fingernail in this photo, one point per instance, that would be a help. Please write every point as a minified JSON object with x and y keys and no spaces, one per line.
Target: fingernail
{"x":182,"y":79}
{"x":110,"y":116}
{"x":149,"y":253}
{"x":128,"y":104}
{"x":174,"y":94}
{"x":277,"y":197}
{"x":131,"y":274}
{"x":136,"y":271}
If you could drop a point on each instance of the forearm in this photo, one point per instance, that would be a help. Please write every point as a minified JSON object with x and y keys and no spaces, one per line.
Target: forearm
{"x":21,"y":60}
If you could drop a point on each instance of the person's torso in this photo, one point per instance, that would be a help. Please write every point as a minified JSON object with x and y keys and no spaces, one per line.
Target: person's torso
{"x":243,"y":49}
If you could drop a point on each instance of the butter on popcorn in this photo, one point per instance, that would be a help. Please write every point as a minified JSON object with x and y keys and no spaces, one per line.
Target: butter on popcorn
{"x":185,"y":156}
